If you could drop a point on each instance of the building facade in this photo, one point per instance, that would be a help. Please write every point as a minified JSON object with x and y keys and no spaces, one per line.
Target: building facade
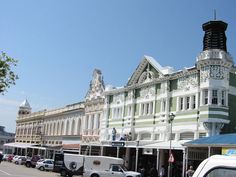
{"x":149,"y":118}
{"x":161,"y":108}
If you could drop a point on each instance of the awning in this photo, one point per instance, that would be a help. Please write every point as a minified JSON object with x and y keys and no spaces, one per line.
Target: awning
{"x":224,"y":140}
{"x":19,"y":145}
{"x":178,"y":145}
{"x":24,"y":146}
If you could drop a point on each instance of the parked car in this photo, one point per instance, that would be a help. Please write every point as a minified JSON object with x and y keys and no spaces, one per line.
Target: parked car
{"x":45,"y":164}
{"x":217,"y":166}
{"x":32,"y":161}
{"x":14,"y":158}
{"x":21,"y":160}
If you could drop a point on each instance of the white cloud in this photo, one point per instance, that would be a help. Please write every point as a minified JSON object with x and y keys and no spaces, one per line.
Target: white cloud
{"x":9,"y":102}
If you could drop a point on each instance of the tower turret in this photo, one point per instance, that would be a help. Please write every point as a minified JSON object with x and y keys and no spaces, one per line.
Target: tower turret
{"x":24,"y":108}
{"x":214,"y":37}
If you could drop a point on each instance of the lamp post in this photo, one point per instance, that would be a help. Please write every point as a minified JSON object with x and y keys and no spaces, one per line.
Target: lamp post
{"x":170,"y":120}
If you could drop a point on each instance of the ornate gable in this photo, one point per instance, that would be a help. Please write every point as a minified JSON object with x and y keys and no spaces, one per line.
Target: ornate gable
{"x":97,"y":86}
{"x":148,"y":70}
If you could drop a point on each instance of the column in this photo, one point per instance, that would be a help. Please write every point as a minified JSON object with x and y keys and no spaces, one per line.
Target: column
{"x":118,"y":152}
{"x":197,"y":101}
{"x":201,"y":97}
{"x":209,"y":97}
{"x":90,"y":150}
{"x":95,"y":127}
{"x":177,"y":104}
{"x":209,"y":151}
{"x":184,"y":103}
{"x":226,"y":97}
{"x":101,"y":151}
{"x":191,"y":101}
{"x":127,"y":155}
{"x":219,"y":97}
{"x":184,"y":162}
{"x":136,"y":160}
{"x":157,"y":166}
{"x":89,"y":124}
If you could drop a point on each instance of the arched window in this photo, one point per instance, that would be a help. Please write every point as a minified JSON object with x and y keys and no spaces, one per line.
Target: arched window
{"x":67,"y":127}
{"x":62,"y":128}
{"x":73,"y":125}
{"x":58,"y":128}
{"x":79,"y":127}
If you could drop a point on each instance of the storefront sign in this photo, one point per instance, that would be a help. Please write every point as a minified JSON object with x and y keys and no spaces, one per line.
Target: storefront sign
{"x":118,"y":144}
{"x":229,"y":152}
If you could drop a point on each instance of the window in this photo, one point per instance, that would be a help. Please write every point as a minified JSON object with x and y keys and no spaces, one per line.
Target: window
{"x":214,"y":97}
{"x":117,"y":113}
{"x":129,"y":110}
{"x":223,"y":98}
{"x":205,"y":96}
{"x":221,"y":171}
{"x":187,"y":102}
{"x":181,"y":103}
{"x":194,"y":102}
{"x":147,"y":108}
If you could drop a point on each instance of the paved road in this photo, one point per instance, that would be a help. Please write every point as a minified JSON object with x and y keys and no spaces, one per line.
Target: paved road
{"x":12,"y":170}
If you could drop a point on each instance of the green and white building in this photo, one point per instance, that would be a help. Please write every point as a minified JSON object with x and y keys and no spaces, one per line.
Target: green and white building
{"x":201,"y":99}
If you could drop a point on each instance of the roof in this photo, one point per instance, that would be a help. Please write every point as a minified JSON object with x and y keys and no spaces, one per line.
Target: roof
{"x":25,"y":103}
{"x":224,"y":140}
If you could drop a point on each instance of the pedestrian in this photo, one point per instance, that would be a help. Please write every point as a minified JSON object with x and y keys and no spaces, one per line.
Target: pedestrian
{"x":113,"y":134}
{"x":162,"y":171}
{"x":153,"y":172}
{"x":190,"y":172}
{"x":1,"y":156}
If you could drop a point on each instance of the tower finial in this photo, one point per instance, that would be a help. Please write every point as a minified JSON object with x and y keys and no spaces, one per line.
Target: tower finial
{"x":214,"y":14}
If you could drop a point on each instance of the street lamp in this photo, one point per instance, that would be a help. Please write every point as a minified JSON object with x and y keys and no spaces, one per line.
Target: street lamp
{"x":170,"y":120}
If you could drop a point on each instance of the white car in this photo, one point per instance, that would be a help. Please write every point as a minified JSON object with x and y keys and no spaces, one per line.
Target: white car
{"x":20,"y":160}
{"x":217,"y":166}
{"x":45,"y":164}
{"x":14,"y":158}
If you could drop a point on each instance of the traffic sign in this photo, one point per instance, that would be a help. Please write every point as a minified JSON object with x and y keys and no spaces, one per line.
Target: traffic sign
{"x":171,"y":158}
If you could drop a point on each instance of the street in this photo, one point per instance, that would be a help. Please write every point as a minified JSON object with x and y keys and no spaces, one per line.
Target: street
{"x":8,"y":169}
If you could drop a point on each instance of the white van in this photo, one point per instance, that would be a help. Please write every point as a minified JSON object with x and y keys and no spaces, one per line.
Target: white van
{"x":217,"y":166}
{"x":95,"y":166}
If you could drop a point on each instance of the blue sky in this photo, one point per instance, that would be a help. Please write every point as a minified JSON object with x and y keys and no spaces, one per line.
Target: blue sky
{"x":59,"y":43}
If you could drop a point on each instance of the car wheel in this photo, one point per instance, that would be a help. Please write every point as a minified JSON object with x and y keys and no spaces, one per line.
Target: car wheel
{"x":41,"y":168}
{"x":16,"y":162}
{"x":27,"y":165}
{"x":94,"y":175}
{"x":63,"y":173}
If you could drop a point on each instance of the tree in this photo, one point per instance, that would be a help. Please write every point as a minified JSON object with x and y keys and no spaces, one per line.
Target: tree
{"x":7,"y":75}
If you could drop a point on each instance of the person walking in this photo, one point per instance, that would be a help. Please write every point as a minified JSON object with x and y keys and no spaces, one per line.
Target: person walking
{"x":162,"y":171}
{"x":1,"y":156}
{"x":190,"y":172}
{"x":153,"y":172}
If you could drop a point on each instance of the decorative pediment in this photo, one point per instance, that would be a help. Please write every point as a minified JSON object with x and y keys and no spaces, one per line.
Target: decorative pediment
{"x":97,"y":86}
{"x":148,"y":70}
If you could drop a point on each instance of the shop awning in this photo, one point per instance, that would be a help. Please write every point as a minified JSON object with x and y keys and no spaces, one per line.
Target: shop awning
{"x":178,"y":145}
{"x":224,"y":140}
{"x":19,"y":145}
